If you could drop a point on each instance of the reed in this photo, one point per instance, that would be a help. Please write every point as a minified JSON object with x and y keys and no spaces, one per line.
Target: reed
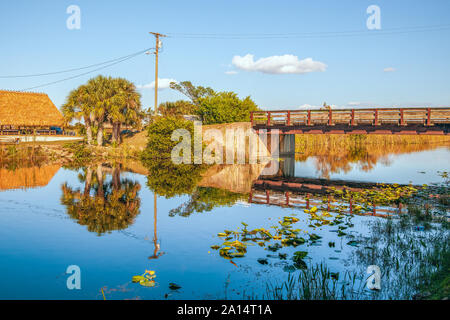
{"x":342,"y":140}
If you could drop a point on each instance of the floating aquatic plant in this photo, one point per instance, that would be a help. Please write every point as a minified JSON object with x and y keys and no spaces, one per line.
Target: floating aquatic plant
{"x":146,"y":279}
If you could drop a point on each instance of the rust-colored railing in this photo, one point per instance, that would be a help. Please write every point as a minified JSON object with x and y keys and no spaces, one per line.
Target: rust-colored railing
{"x":352,"y":117}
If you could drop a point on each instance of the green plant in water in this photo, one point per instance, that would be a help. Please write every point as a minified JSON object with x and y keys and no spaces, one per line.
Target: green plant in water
{"x":146,"y":279}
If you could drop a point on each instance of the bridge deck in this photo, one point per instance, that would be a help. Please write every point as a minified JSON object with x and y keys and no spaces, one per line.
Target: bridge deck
{"x":355,"y":121}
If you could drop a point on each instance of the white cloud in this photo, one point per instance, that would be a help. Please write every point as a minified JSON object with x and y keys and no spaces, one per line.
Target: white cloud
{"x":162,"y":84}
{"x":231,"y":72}
{"x":390,"y":69}
{"x":285,"y":64}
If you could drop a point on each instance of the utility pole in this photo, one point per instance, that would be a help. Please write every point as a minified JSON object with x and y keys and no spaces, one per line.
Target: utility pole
{"x":157,"y":47}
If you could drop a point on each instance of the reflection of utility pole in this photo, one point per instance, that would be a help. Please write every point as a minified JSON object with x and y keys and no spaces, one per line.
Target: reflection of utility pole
{"x":156,"y":253}
{"x":155,"y":218}
{"x":158,"y":46}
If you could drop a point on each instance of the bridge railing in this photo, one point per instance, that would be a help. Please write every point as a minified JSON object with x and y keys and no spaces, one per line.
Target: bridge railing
{"x":352,"y":117}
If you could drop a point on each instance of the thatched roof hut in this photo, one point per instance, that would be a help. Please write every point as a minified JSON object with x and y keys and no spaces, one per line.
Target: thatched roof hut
{"x":28,"y":109}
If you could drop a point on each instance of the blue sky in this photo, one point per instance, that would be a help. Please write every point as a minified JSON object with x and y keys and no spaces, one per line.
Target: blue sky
{"x":35,"y":39}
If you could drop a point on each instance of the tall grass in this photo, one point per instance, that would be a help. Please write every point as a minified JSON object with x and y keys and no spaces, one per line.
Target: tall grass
{"x":343,"y":140}
{"x":317,"y":282}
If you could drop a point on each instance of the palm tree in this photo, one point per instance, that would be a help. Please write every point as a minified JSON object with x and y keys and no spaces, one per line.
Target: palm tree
{"x":125,"y":107}
{"x":78,"y":106}
{"x":104,"y":99}
{"x":101,"y":93}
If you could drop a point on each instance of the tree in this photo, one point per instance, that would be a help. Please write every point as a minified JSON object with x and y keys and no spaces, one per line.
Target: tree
{"x":213,"y":107}
{"x":225,"y":107}
{"x":125,"y":107}
{"x":177,"y":109}
{"x":104,"y":99}
{"x":194,"y":93}
{"x":78,"y":106}
{"x":101,"y":92}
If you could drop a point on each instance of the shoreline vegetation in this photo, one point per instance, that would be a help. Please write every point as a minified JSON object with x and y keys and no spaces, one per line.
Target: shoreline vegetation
{"x":334,"y":152}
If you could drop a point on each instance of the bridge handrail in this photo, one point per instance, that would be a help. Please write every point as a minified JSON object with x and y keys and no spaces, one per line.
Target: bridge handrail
{"x":402,"y":116}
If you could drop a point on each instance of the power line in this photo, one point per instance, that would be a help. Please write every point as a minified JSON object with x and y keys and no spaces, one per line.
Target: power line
{"x":398,"y":30}
{"x":82,"y":74}
{"x":74,"y":69}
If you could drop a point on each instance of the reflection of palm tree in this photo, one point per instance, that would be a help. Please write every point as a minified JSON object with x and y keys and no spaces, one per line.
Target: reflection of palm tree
{"x":113,"y":206}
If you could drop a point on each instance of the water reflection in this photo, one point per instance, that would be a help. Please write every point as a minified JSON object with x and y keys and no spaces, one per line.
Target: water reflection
{"x":25,"y":177}
{"x":330,"y":160}
{"x":102,"y":205}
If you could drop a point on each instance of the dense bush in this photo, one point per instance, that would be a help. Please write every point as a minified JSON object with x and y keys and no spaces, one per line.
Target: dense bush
{"x":159,"y":143}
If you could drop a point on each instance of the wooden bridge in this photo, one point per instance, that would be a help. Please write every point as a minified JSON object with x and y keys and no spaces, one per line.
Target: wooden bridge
{"x":407,"y":121}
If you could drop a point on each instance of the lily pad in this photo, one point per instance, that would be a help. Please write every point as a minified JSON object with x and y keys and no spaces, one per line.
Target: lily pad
{"x":137,"y":279}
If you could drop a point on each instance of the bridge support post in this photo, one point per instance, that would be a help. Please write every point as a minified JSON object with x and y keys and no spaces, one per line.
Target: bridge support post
{"x":287,"y":144}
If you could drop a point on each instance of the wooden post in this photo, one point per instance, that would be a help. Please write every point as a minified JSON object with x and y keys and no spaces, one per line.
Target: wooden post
{"x":251,"y":118}
{"x":402,"y":119}
{"x":287,"y":198}
{"x":267,"y":197}
{"x":429,"y":117}
{"x":307,"y":201}
{"x":353,"y":118}
{"x":330,"y":118}
{"x":376,"y":117}
{"x":374,"y":210}
{"x":268,"y":118}
{"x":289,"y":118}
{"x":309,"y":117}
{"x":250,"y":197}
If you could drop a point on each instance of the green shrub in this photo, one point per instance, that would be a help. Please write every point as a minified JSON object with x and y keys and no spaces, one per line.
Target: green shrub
{"x":159,"y":144}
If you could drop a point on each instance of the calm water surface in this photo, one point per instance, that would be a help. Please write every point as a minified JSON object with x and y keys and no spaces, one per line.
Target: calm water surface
{"x":42,"y":232}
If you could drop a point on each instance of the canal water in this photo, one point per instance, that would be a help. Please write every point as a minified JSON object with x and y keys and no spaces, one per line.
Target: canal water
{"x":106,"y":220}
